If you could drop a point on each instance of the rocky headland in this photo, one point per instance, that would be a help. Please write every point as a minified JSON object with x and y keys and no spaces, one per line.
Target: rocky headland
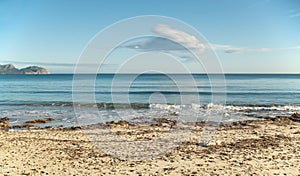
{"x":11,"y":69}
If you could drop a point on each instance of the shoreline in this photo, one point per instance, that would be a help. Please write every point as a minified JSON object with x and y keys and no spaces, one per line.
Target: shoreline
{"x":23,"y":116}
{"x":258,"y":147}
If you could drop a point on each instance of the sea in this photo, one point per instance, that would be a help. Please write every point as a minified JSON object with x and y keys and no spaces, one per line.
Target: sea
{"x":88,"y":99}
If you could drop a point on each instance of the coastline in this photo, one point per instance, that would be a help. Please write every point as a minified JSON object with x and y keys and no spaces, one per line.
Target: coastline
{"x":258,"y":147}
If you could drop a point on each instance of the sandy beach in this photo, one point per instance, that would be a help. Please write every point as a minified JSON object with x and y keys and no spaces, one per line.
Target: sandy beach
{"x":260,"y":147}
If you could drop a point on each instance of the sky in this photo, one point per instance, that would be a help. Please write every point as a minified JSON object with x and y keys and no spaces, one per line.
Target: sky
{"x":248,"y":36}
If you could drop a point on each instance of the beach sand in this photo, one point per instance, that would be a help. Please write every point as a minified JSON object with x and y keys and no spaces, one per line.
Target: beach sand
{"x":260,"y":147}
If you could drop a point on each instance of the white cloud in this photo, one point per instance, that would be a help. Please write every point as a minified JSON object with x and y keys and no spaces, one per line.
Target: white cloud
{"x":185,"y":39}
{"x":173,"y":40}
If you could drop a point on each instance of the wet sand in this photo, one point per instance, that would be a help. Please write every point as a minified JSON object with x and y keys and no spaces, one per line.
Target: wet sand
{"x":261,"y":147}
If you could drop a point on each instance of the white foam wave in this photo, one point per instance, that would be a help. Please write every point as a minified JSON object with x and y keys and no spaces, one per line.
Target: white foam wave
{"x":228,"y":107}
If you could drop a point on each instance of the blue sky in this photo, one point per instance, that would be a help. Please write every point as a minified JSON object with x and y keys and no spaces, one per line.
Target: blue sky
{"x":249,"y":36}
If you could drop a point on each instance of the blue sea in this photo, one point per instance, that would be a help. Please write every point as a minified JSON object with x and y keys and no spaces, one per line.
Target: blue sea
{"x":236,"y":97}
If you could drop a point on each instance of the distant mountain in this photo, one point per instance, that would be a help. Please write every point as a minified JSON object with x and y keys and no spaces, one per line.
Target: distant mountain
{"x":11,"y":69}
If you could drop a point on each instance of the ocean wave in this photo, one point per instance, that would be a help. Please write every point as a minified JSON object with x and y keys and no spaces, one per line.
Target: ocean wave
{"x":64,"y":113}
{"x":235,"y":107}
{"x":243,"y":108}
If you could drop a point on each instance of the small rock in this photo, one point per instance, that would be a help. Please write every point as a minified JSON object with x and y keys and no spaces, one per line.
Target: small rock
{"x":75,"y":128}
{"x":40,"y":120}
{"x":4,"y":119}
{"x":295,"y":117}
{"x":120,"y":123}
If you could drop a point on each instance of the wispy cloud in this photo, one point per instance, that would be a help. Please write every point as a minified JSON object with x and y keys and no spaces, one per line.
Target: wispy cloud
{"x":239,"y":50}
{"x":50,"y":64}
{"x":295,"y":15}
{"x":38,"y":63}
